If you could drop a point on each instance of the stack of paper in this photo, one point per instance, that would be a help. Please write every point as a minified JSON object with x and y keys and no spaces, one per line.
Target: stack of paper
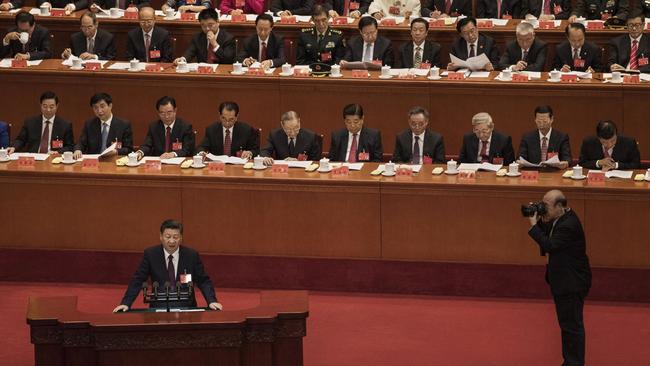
{"x":472,"y":63}
{"x":480,"y":166}
{"x":227,"y":159}
{"x":294,"y":163}
{"x":37,"y":157}
{"x":623,"y":174}
{"x":554,"y":162}
{"x":7,"y":62}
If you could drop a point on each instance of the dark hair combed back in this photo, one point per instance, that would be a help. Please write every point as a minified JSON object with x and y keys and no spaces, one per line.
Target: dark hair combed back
{"x":543,"y":109}
{"x":229,"y":106}
{"x":364,"y":21}
{"x":578,"y":26}
{"x":171,"y":224}
{"x":636,"y":14}
{"x":420,"y":20}
{"x":419,"y":110}
{"x":353,"y":110}
{"x":99,"y":97}
{"x":319,"y":10}
{"x":49,"y":95}
{"x":23,"y":16}
{"x":264,"y":17}
{"x":606,"y":129}
{"x":209,"y":13}
{"x":164,"y":101}
{"x":463,"y":22}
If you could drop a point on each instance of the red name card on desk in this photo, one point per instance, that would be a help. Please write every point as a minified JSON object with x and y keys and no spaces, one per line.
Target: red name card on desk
{"x":340,"y":172}
{"x":26,"y":162}
{"x":456,"y":75}
{"x":485,"y":24}
{"x":520,"y":78}
{"x":301,"y":73}
{"x":92,"y":66}
{"x":238,"y":18}
{"x":152,"y":68}
{"x":437,"y":23}
{"x":188,"y":16}
{"x":546,"y":24}
{"x":467,"y":175}
{"x":404,"y":172}
{"x":388,"y":22}
{"x":204,"y":70}
{"x":595,"y":25}
{"x":152,"y":165}
{"x":257,"y":71}
{"x":19,"y":64}
{"x":530,"y":175}
{"x":130,"y":14}
{"x":291,"y":19}
{"x":88,"y":163}
{"x":217,"y":167}
{"x":340,"y":21}
{"x":631,"y":79}
{"x":566,"y":78}
{"x":595,"y":177}
{"x":279,"y":168}
{"x":360,"y":74}
{"x":57,"y":12}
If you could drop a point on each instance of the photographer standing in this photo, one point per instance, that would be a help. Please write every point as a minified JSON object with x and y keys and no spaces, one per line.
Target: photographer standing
{"x":559,"y":234}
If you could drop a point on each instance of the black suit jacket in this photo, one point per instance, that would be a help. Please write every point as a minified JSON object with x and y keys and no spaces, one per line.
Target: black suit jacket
{"x":107,"y":4}
{"x":29,"y":138}
{"x":620,"y":48}
{"x":339,"y":6}
{"x":199,"y":48}
{"x":79,"y":5}
{"x":593,"y":9}
{"x":382,"y":50}
{"x":434,"y":147}
{"x":500,"y":147}
{"x":458,"y":7}
{"x":536,"y":55}
{"x":244,"y":137}
{"x":625,"y":153}
{"x":90,"y":141}
{"x":154,"y":142}
{"x":589,"y":52}
{"x":296,"y":7}
{"x":104,"y":45}
{"x":530,"y":148}
{"x":568,"y":269}
{"x":39,"y":46}
{"x":159,"y":41}
{"x":485,"y":45}
{"x":4,"y":135}
{"x":154,"y":266}
{"x":369,"y":141}
{"x":274,"y":49}
{"x":306,"y":142}
{"x":430,"y":54}
{"x":643,"y":7}
{"x":534,"y":7}
{"x":488,"y":8}
{"x":16,"y":3}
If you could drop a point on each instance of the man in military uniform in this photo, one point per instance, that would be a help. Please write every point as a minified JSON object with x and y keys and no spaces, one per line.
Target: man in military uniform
{"x":600,"y":10}
{"x":320,"y":43}
{"x":642,"y":6}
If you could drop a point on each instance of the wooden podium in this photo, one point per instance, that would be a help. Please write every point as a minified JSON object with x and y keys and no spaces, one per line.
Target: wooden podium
{"x":269,"y":334}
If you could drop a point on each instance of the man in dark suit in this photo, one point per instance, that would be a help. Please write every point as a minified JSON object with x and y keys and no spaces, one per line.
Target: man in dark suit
{"x":169,"y":136}
{"x":369,"y":47}
{"x":230,"y":136}
{"x":641,"y":7}
{"x":38,"y":45}
{"x":68,"y":5}
{"x":212,"y":45}
{"x":355,"y":143}
{"x":486,"y":145}
{"x":350,"y":8}
{"x":559,"y":234}
{"x":291,"y":7}
{"x":290,"y":142}
{"x":101,"y":132}
{"x":621,"y":48}
{"x":420,"y":53}
{"x":545,"y":9}
{"x":545,"y":142}
{"x":600,"y":9}
{"x":265,"y":46}
{"x":91,"y":43}
{"x":4,"y":135}
{"x":443,"y":8}
{"x":148,"y":42}
{"x":471,"y":43}
{"x":47,"y":133}
{"x":321,"y":43}
{"x":609,"y":150}
{"x":12,"y":4}
{"x":173,"y":263}
{"x":493,"y":10}
{"x":527,"y":53}
{"x":575,"y":54}
{"x":418,"y":144}
{"x":120,"y":4}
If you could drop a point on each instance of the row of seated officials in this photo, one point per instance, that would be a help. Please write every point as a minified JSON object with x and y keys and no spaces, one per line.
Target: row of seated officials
{"x":542,"y":9}
{"x":171,"y":136}
{"x":324,"y":44}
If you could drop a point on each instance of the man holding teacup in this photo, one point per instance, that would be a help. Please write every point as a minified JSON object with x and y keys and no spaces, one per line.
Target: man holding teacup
{"x":27,"y":41}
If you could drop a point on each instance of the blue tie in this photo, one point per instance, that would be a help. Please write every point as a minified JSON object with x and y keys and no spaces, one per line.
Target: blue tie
{"x":104,"y":136}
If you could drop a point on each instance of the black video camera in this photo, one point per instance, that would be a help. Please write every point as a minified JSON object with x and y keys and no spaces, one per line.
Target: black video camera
{"x":530,"y":209}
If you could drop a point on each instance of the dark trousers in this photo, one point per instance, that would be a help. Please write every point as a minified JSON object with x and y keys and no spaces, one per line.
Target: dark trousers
{"x":568,"y":308}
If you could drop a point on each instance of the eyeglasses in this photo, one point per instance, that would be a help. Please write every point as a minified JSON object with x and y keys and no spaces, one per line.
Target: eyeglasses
{"x":634,"y":25}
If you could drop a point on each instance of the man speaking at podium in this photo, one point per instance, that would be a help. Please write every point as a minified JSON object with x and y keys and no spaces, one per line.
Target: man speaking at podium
{"x":165,"y":263}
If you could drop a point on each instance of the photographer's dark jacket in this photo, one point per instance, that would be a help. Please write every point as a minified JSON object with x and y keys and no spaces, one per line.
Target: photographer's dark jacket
{"x":568,"y":265}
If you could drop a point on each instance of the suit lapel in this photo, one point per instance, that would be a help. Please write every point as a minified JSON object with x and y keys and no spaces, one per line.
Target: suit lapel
{"x":536,"y":150}
{"x":427,"y":149}
{"x":344,"y":145}
{"x":494,"y":148}
{"x":408,"y":49}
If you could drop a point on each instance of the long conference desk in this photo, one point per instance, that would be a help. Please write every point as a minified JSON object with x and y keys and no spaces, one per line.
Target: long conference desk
{"x":319,"y":101}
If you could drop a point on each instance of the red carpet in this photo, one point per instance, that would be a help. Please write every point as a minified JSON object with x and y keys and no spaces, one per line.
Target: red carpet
{"x":357,"y":329}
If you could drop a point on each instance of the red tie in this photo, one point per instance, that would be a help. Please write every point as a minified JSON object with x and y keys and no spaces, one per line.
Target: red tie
{"x":484,"y":154}
{"x":147,"y":44}
{"x":168,"y":139}
{"x":448,"y":6}
{"x":547,"y":7}
{"x":346,"y":8}
{"x":45,"y":138}
{"x":634,"y":62}
{"x":212,"y":57}
{"x":171,"y":273}
{"x":352,"y":157}
{"x":498,"y":8}
{"x":227,"y":144}
{"x":263,"y":55}
{"x":606,"y":152}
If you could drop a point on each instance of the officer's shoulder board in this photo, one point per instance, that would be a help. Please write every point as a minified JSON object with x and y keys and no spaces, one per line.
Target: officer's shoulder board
{"x":336,"y":31}
{"x":305,"y":30}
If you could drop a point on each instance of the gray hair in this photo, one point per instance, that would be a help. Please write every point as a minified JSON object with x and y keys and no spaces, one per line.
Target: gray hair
{"x":524,"y":28}
{"x":419,"y":110}
{"x":482,"y":117}
{"x":289,"y":115}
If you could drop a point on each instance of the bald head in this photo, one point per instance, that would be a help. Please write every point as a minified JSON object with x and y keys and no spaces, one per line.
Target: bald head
{"x":555,"y":196}
{"x":555,"y":203}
